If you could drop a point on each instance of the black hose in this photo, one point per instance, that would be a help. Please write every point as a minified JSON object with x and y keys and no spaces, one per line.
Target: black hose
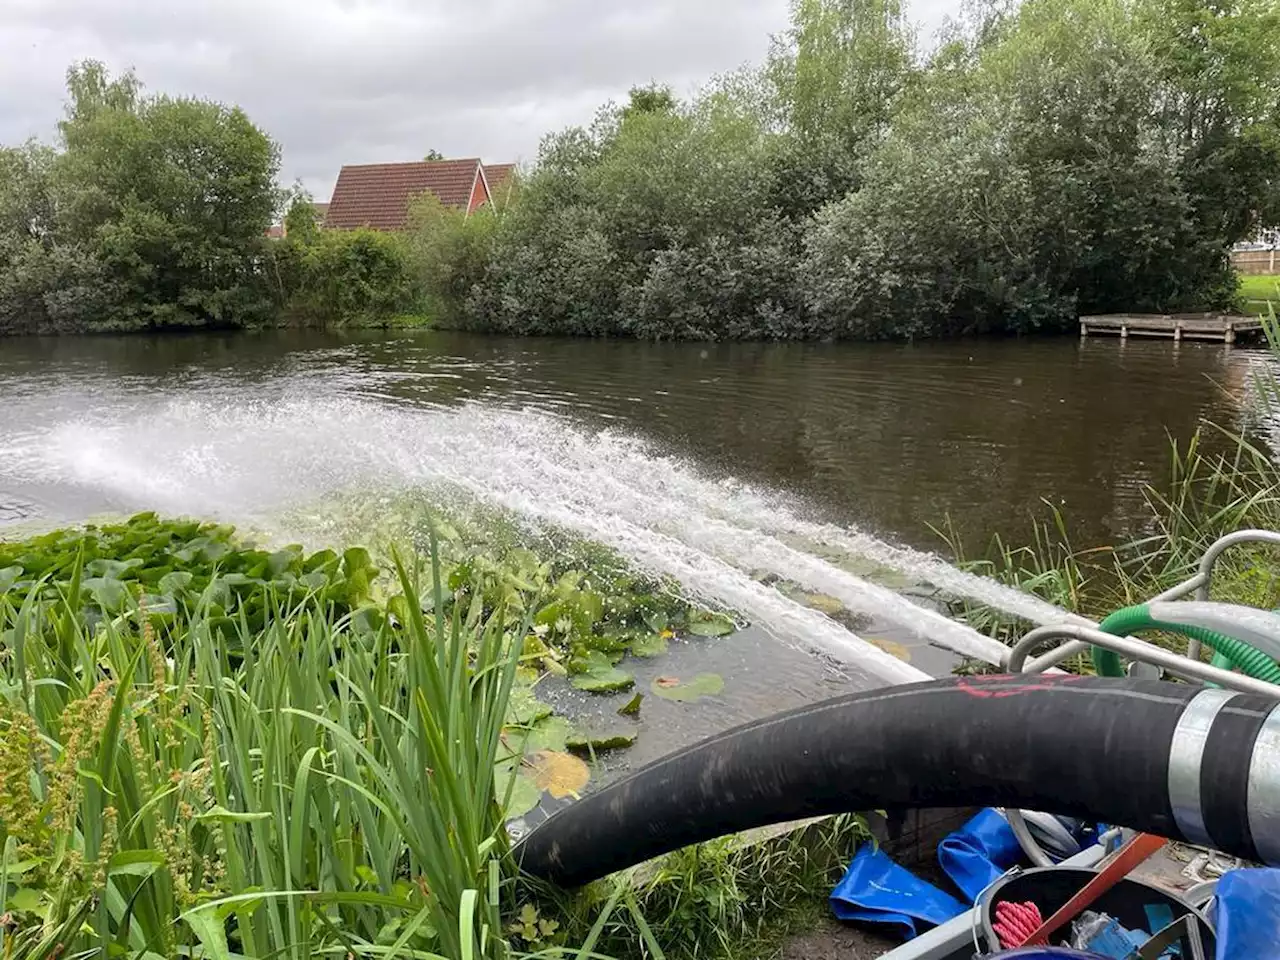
{"x":1089,"y":747}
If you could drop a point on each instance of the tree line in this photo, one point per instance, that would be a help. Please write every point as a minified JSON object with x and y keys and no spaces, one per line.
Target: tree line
{"x":1039,"y":161}
{"x":1044,"y":160}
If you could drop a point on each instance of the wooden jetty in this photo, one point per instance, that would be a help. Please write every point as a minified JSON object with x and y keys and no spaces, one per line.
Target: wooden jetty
{"x":1177,"y":326}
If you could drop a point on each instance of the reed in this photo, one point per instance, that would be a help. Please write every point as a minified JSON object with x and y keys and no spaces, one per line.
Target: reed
{"x":328,"y":788}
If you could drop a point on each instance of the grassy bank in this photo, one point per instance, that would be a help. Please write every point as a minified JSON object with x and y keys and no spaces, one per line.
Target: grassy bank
{"x":1260,"y":293}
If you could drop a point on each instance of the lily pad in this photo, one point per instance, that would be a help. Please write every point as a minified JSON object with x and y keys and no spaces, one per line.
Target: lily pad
{"x":715,"y":625}
{"x":687,"y":691}
{"x":822,"y":603}
{"x":284,"y":559}
{"x":649,"y":645}
{"x":552,"y":733}
{"x":601,"y":676}
{"x":657,"y":621}
{"x":176,"y":582}
{"x":110,"y":594}
{"x":112,"y":569}
{"x":524,"y":709}
{"x":8,"y":577}
{"x":524,"y":793}
{"x":559,"y":774}
{"x":600,"y":742}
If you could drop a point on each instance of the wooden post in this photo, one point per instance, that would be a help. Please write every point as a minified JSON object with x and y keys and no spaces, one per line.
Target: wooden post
{"x":1124,"y":332}
{"x":1084,"y":329}
{"x":1272,"y":269}
{"x":1177,"y":333}
{"x":1231,"y":333}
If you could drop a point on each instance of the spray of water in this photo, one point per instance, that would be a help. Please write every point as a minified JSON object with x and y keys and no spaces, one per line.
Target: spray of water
{"x":250,"y":462}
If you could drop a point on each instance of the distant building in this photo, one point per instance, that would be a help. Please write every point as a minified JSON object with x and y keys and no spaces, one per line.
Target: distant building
{"x":1267,"y":238}
{"x":378,"y":195}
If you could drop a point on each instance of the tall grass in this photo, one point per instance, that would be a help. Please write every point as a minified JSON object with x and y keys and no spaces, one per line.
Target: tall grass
{"x":326,"y":790}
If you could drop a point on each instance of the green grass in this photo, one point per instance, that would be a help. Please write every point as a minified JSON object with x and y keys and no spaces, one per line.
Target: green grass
{"x":735,"y":897}
{"x":1260,"y":293}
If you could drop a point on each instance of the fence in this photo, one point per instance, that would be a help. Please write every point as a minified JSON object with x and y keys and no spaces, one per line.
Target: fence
{"x":1256,"y":261}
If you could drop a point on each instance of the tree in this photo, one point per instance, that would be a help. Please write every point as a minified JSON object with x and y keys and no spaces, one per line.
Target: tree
{"x":838,"y":76}
{"x":433,"y":156}
{"x":449,"y":253}
{"x":1218,"y":105}
{"x":48,"y":280}
{"x":152,"y":215}
{"x":654,"y":98}
{"x":91,"y":90}
{"x":301,"y":219}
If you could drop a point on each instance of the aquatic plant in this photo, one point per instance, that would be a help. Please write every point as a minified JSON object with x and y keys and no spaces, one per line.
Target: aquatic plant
{"x":163,"y":566}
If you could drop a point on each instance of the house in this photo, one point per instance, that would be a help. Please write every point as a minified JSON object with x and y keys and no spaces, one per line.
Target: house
{"x":378,"y":195}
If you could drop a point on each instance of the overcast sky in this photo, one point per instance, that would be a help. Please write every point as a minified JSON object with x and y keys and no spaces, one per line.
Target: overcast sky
{"x":365,"y":81}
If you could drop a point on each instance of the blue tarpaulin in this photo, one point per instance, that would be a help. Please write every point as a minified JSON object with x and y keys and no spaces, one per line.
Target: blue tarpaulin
{"x":877,"y":890}
{"x":1248,"y":915}
{"x":979,"y":853}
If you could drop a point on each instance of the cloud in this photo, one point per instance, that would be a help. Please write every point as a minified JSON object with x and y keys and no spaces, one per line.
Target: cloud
{"x":350,"y":81}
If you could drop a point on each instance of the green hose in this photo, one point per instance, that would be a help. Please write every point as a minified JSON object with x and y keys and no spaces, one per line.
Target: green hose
{"x":1229,"y":652}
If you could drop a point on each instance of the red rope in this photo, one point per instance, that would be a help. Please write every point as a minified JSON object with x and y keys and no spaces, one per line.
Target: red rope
{"x":1016,"y":922}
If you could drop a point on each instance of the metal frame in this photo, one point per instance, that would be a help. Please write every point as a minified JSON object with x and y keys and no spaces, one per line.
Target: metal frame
{"x":1184,"y":931}
{"x":1188,"y":666}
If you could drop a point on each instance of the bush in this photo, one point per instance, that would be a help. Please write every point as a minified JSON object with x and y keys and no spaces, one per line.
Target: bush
{"x":448,"y":254}
{"x":725,"y":287}
{"x":553,"y":272}
{"x":343,"y":278}
{"x":1045,"y":161}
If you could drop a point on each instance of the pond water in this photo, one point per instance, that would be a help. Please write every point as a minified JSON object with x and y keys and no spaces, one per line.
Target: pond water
{"x":726,"y":466}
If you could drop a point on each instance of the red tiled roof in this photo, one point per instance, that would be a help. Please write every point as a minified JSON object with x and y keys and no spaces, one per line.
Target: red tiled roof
{"x":497,"y":173}
{"x":377,"y":195}
{"x":498,"y":176}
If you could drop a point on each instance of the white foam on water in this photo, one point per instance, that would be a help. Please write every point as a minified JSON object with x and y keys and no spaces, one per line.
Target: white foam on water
{"x":247,"y":462}
{"x":769,"y":512}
